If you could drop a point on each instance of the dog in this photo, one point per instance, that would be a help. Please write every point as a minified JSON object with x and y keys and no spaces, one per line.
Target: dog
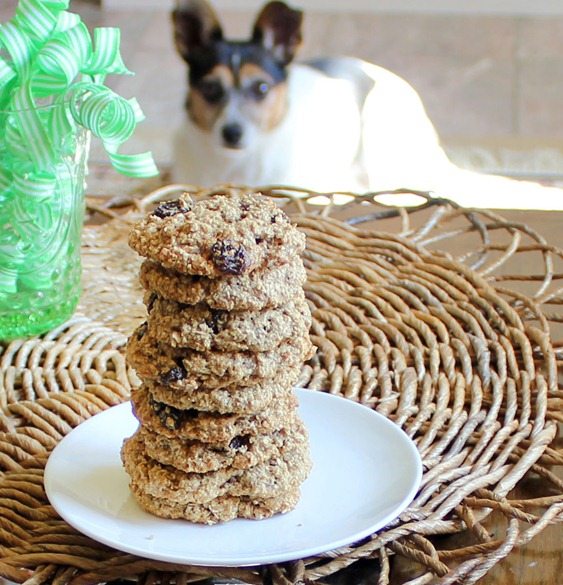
{"x":255,"y":116}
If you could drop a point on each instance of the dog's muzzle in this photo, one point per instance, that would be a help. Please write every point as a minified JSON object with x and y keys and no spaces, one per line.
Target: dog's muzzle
{"x":232,"y":135}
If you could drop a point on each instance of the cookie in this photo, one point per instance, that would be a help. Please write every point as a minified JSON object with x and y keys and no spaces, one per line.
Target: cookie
{"x":242,"y":452}
{"x":230,"y":399}
{"x":231,"y":233}
{"x":188,"y":369}
{"x":270,"y":287}
{"x":221,"y":509}
{"x":267,"y":479}
{"x":201,"y":328}
{"x":210,"y":427}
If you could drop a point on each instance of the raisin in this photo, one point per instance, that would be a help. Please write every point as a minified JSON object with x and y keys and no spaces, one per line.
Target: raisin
{"x":172,"y":418}
{"x":239,"y":441}
{"x":215,"y":322}
{"x":151,"y":301}
{"x":174,"y":375}
{"x":141,"y":330}
{"x":169,"y":416}
{"x":170,"y":208}
{"x":229,"y":258}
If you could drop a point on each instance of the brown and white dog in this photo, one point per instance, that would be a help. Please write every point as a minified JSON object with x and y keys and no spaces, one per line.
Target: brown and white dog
{"x":256,"y":117}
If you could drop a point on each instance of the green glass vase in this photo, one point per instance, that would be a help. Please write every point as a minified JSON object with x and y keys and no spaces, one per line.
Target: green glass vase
{"x":41,"y":217}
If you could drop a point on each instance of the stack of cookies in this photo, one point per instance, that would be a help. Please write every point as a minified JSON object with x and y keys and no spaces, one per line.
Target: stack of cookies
{"x":226,"y":335}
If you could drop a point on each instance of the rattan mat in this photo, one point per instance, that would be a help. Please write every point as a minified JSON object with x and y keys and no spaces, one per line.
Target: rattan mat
{"x":422,"y":313}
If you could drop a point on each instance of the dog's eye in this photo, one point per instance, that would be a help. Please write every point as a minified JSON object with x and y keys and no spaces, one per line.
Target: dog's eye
{"x":259,"y":89}
{"x":212,"y":91}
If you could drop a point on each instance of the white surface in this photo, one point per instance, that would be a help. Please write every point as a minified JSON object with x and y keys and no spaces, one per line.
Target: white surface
{"x":365,"y":473}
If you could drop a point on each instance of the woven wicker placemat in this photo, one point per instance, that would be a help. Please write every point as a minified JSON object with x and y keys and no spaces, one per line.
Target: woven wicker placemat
{"x":422,"y":313}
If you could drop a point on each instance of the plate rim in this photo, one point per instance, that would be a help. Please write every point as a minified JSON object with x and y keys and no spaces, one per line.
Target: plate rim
{"x":233,"y":561}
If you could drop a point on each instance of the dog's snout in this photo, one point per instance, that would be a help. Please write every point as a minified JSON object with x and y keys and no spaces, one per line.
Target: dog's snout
{"x":232,"y":134}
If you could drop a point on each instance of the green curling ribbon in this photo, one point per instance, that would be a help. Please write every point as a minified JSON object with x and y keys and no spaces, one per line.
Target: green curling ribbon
{"x":52,"y":91}
{"x":56,"y":60}
{"x":48,"y":50}
{"x":77,"y":37}
{"x":107,"y":56}
{"x":39,"y":186}
{"x":34,"y":133}
{"x":18,"y":45}
{"x":6,"y":73}
{"x":36,"y":18}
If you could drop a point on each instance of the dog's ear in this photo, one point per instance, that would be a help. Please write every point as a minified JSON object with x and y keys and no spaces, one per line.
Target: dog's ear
{"x":278,"y":29}
{"x":196,"y":26}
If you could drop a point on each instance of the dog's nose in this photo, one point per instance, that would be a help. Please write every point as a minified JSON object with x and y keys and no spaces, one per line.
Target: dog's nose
{"x":232,"y":134}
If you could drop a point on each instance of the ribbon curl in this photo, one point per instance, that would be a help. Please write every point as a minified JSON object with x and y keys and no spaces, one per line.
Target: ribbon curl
{"x":52,"y":92}
{"x":48,"y":57}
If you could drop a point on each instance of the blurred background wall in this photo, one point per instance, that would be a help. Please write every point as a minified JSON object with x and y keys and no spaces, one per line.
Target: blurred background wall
{"x":490,"y":72}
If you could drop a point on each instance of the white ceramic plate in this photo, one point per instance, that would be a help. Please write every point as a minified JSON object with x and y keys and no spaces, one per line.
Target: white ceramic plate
{"x":365,"y":473}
